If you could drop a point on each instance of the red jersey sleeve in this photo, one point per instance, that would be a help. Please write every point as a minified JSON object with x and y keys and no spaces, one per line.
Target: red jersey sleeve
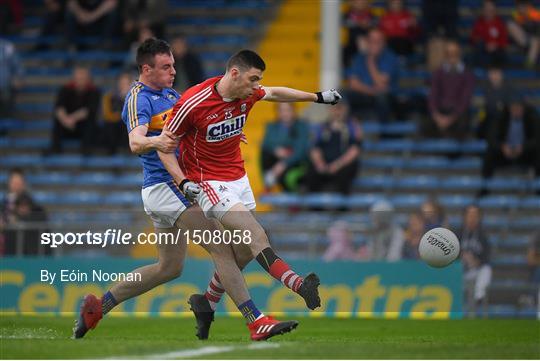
{"x":180,"y":120}
{"x":259,"y":94}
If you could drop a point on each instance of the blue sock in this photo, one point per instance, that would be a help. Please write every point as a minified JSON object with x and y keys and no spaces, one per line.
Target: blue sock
{"x":249,"y":311}
{"x":107,"y":302}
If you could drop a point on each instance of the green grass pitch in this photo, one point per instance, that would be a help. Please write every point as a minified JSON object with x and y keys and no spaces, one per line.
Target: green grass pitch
{"x":315,"y":338}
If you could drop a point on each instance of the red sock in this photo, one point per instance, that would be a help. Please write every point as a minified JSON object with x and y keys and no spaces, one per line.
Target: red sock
{"x":214,"y":291}
{"x":283,"y":273}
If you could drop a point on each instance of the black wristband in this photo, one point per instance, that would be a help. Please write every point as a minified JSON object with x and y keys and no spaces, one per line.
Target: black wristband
{"x":182,"y":183}
{"x":319,"y":97}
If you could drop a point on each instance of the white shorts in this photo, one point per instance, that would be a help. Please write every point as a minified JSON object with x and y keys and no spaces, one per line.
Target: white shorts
{"x":217,"y":197}
{"x":164,"y":203}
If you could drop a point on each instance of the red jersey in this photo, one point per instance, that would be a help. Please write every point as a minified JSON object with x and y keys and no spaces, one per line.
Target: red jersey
{"x":397,"y":24}
{"x":490,"y":32}
{"x":209,"y":128}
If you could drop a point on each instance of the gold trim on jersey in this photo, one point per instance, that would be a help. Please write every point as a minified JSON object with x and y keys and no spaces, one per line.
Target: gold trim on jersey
{"x":132,"y":106}
{"x":158,"y":121}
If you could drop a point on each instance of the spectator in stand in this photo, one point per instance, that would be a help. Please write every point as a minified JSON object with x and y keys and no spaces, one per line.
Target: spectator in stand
{"x":11,"y":77}
{"x":415,"y":230}
{"x":131,"y":60}
{"x":524,"y":28}
{"x":75,"y":111}
{"x":341,"y":243}
{"x":334,"y":157}
{"x":533,"y":258}
{"x":358,"y":20}
{"x":11,"y":15}
{"x":91,"y":18}
{"x":114,"y":133}
{"x":138,"y":14}
{"x":489,"y":36}
{"x":188,"y":65}
{"x":386,"y":237}
{"x":496,"y":91}
{"x":373,"y":78}
{"x":24,"y":227}
{"x":449,"y":98}
{"x":514,"y":139}
{"x":285,"y":149}
{"x":400,"y":28}
{"x":473,"y":237}
{"x":440,"y":18}
{"x":53,"y":19}
{"x":16,"y":186}
{"x":475,"y":254}
{"x":433,"y":214}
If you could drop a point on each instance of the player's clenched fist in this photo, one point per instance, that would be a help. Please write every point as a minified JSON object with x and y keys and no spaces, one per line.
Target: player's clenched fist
{"x":166,"y":142}
{"x":190,"y":189}
{"x":331,"y":96}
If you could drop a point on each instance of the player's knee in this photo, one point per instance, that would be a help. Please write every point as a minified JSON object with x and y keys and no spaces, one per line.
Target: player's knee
{"x":170,"y":271}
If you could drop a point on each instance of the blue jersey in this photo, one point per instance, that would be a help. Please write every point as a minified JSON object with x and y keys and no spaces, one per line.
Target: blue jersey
{"x":146,"y":106}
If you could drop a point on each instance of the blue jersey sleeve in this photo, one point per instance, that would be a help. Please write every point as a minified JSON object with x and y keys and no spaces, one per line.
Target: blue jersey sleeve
{"x":137,"y":110}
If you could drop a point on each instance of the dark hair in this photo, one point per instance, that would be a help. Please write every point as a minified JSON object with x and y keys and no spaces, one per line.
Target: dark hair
{"x":245,"y":60}
{"x":149,"y":49}
{"x":14,"y":171}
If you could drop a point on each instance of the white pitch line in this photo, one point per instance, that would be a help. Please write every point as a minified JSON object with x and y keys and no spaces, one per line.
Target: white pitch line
{"x":196,"y":352}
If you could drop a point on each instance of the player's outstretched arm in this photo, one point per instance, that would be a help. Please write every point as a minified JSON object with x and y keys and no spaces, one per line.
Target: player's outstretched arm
{"x":139,"y":143}
{"x":287,"y":95}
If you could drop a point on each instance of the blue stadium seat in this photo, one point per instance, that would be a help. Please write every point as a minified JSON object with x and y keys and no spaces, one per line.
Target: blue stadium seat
{"x":378,"y":181}
{"x":496,"y":222}
{"x":29,"y":107}
{"x":45,"y":198}
{"x":531,"y":203}
{"x":383,"y":162}
{"x":437,"y":146}
{"x":518,"y":261}
{"x":461,"y":183}
{"x":7,"y":124}
{"x":21,"y":160}
{"x":427,"y":163}
{"x":3,"y":177}
{"x":455,"y":200}
{"x":523,"y":223}
{"x":30,"y":143}
{"x":281,"y":199}
{"x":80,"y":198}
{"x":94,"y":179}
{"x":536,"y":184}
{"x":393,"y":145}
{"x":408,"y":200}
{"x":130,"y":179}
{"x":511,"y":242}
{"x":49,"y":178}
{"x":324,"y":200}
{"x":363,"y":200}
{"x":502,"y":311}
{"x":466,"y":163}
{"x":123,"y":199}
{"x":499,"y":201}
{"x":503,"y":183}
{"x":67,"y":160}
{"x":474,"y":146}
{"x":418,"y":182}
{"x":299,"y":239}
{"x":399,"y":128}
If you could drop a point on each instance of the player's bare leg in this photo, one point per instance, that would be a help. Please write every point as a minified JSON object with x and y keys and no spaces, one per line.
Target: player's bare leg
{"x":168,"y":267}
{"x":230,"y":279}
{"x":239,"y":217}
